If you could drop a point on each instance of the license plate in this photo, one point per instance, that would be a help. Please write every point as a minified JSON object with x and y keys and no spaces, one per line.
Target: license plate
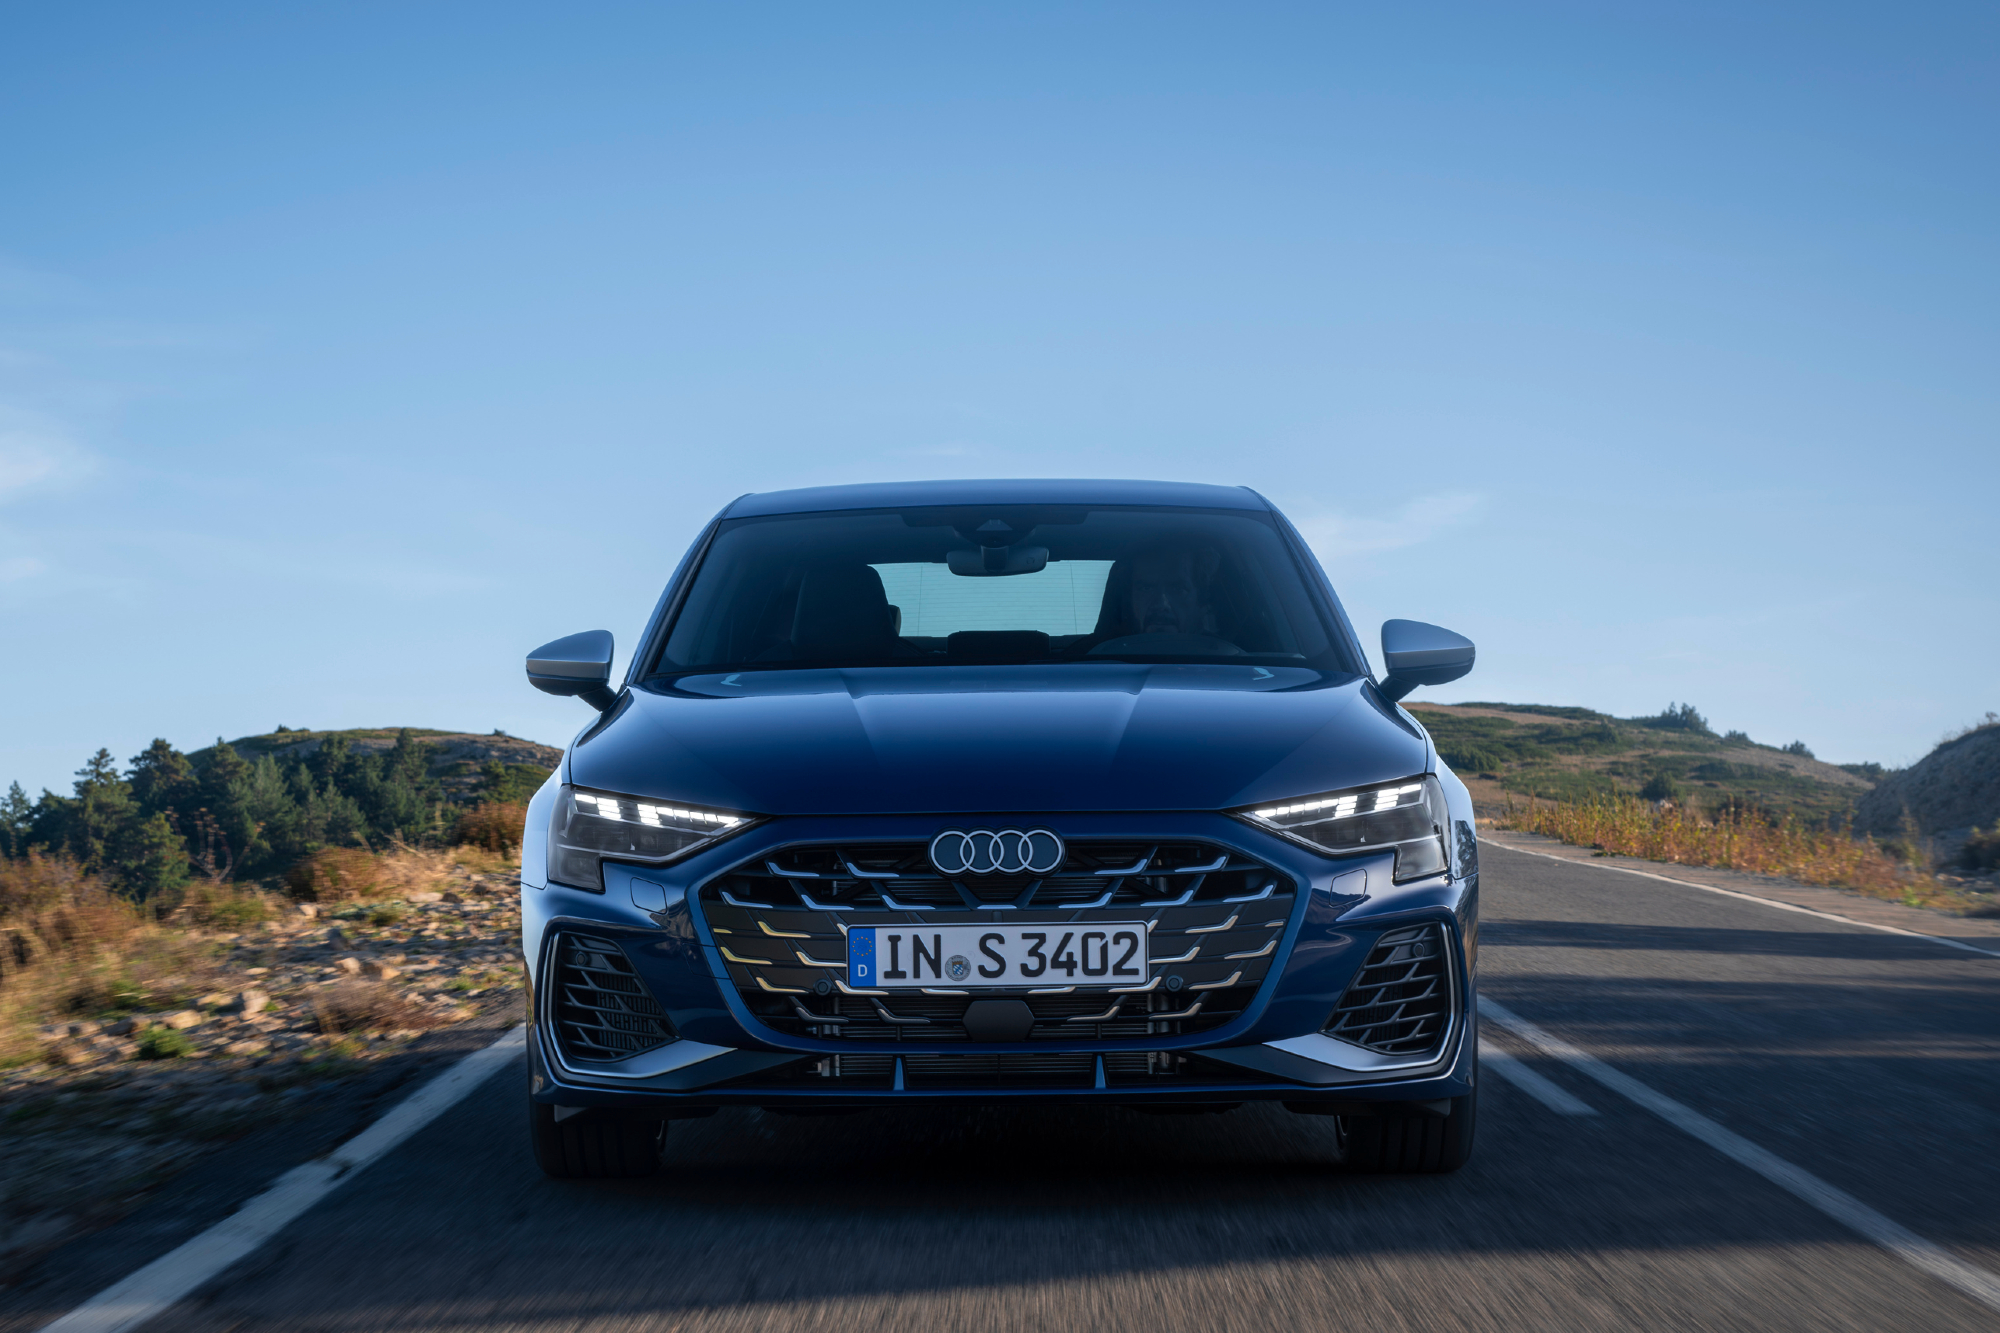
{"x":1111,"y":953}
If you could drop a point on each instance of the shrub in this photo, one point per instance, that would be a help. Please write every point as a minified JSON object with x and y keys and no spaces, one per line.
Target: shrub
{"x":1661,"y":788}
{"x":158,"y":1043}
{"x":494,"y":826}
{"x":1678,"y":717}
{"x":1732,"y":836}
{"x":1981,"y":850}
{"x":1799,"y":748}
{"x":335,"y":874}
{"x":345,"y":874}
{"x":70,"y":945}
{"x":224,"y":906}
{"x":1473,"y":759}
{"x":1737,"y":738}
{"x":368,"y":1006}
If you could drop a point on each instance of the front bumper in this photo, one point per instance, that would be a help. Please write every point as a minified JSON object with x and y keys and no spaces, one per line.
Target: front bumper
{"x":1271,"y":1048}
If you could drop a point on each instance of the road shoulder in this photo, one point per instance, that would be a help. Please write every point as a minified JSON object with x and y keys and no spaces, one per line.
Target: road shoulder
{"x":1977,"y":932}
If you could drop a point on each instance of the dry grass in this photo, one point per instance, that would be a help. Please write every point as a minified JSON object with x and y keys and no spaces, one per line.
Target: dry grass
{"x":70,"y":947}
{"x":494,"y":826}
{"x":345,"y":874}
{"x":370,"y":1006}
{"x":1734,"y":840}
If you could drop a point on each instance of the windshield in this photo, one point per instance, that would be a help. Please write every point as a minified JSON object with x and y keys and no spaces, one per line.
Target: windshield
{"x":941,"y":586}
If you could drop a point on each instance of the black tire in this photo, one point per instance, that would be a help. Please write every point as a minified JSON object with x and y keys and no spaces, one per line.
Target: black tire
{"x":1414,"y":1146}
{"x":582,"y":1148}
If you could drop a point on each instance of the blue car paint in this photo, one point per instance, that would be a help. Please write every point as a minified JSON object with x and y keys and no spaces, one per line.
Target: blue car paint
{"x":996,"y":739}
{"x":1092,"y":749}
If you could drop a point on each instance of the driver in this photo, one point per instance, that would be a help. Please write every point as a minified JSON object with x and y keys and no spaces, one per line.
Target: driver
{"x":1166,"y":592}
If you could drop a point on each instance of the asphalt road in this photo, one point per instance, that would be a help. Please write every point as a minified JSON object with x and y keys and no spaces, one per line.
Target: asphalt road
{"x":1867,"y":1059}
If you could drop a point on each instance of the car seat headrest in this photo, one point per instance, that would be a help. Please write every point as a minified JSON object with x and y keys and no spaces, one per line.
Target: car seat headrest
{"x":842,"y":610}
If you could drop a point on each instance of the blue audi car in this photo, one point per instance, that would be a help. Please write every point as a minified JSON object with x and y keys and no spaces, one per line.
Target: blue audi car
{"x":989,"y":792}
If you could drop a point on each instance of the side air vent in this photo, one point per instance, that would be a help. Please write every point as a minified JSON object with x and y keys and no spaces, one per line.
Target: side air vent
{"x":1400,"y":1001}
{"x":601,"y":1011}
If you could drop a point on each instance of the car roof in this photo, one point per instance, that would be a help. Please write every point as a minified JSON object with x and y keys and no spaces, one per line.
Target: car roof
{"x":902,"y":494}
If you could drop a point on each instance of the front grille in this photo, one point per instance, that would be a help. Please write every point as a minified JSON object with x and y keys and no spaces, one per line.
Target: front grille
{"x":1400,"y":1001}
{"x":600,"y":1009}
{"x":899,"y":877}
{"x":781,"y":921}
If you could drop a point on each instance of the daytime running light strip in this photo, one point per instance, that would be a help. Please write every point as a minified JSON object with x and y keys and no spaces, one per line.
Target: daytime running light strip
{"x":1386,"y":798}
{"x":608,"y":808}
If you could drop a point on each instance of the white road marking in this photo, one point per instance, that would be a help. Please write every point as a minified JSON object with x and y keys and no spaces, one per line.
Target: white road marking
{"x":1753,"y":898}
{"x":152,"y":1289}
{"x":1837,"y":1204}
{"x":1494,"y":1060}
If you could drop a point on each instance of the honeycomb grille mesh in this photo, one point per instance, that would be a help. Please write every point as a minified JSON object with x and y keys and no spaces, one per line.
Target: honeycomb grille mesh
{"x":601,"y":1010}
{"x":1400,"y":1001}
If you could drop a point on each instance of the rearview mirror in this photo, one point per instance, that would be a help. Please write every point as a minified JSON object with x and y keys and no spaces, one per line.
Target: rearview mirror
{"x":1418,"y":654}
{"x":991,"y":561}
{"x":579,"y":665}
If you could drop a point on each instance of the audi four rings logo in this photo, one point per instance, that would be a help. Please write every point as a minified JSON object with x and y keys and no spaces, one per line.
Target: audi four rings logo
{"x":1007,"y":852}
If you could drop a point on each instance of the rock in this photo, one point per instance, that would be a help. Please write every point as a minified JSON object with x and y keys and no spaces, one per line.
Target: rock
{"x":426,"y":898}
{"x":215,"y":999}
{"x":246,"y":1047}
{"x":307,"y":910}
{"x":350,"y":965}
{"x":382,"y":969}
{"x":253,"y":1002}
{"x":453,"y":898}
{"x":124,"y":1027}
{"x":394,"y":957}
{"x":182,"y":1020}
{"x":84,"y":1029}
{"x":68,"y":1054}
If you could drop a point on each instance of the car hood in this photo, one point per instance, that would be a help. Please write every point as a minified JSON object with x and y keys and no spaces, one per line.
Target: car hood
{"x":918,"y":740}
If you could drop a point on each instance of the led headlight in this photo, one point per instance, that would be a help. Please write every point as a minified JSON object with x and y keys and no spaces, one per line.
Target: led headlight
{"x":590,"y":826}
{"x":1407,"y":816}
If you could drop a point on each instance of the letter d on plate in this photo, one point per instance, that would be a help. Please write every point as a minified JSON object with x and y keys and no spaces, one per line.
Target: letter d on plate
{"x":860,"y":956}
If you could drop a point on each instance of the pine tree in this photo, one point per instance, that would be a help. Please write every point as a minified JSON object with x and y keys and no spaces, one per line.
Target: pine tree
{"x":153,"y":859}
{"x":17,"y":821}
{"x":102,"y":815}
{"x":163,"y":779}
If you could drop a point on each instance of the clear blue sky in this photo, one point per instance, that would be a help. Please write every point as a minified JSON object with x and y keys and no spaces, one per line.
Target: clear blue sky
{"x":347,"y":352}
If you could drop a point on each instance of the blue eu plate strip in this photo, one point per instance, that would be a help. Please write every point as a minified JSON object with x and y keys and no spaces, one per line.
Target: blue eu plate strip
{"x":860,"y":955}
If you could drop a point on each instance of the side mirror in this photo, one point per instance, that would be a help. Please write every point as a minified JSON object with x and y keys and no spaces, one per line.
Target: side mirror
{"x":578,"y":665}
{"x":1419,"y":654}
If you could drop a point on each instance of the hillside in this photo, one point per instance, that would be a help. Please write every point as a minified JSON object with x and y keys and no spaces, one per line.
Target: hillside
{"x":456,"y":759}
{"x":256,"y":808}
{"x":1572,"y":753}
{"x":1946,"y":794}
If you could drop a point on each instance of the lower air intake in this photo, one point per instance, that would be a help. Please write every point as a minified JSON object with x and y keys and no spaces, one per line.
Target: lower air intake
{"x":601,"y":1011}
{"x":1400,"y":1002}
